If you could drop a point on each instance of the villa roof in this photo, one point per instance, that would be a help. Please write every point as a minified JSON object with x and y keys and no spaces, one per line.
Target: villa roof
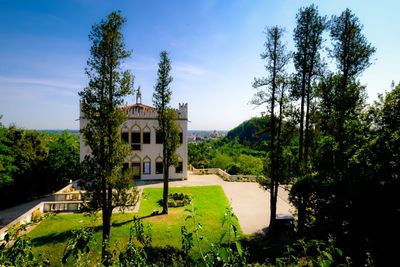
{"x":138,"y":106}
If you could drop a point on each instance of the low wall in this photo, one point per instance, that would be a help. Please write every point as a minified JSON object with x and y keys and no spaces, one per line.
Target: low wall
{"x":23,"y":219}
{"x":224,"y":175}
{"x":62,"y":204}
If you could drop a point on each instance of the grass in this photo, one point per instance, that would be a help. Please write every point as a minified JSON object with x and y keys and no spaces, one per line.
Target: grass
{"x":210,"y":203}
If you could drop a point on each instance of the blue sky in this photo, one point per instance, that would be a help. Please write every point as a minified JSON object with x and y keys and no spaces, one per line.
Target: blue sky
{"x":214,"y":47}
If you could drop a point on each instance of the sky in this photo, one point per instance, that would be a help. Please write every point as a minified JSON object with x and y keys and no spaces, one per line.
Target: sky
{"x":214,"y":47}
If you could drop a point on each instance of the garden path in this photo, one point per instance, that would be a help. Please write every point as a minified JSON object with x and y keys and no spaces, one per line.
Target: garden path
{"x":249,"y":201}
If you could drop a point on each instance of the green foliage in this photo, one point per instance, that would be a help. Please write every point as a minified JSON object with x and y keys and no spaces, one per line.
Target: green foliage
{"x":250,"y":165}
{"x":226,"y":154}
{"x":167,"y":120}
{"x":271,"y":92}
{"x":351,"y":49}
{"x":163,"y":93}
{"x":7,"y":159}
{"x":17,"y":250}
{"x":223,"y":253}
{"x":251,"y":133}
{"x":307,"y":61}
{"x":133,"y":241}
{"x":63,"y":157}
{"x":35,"y":163}
{"x":314,"y":253}
{"x":134,"y":253}
{"x":171,"y":141}
{"x":108,"y":84}
{"x":78,"y":243}
{"x":178,"y":200}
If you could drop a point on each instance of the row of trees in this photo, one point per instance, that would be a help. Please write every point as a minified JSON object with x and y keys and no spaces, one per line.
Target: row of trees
{"x":108,"y":185}
{"x":35,"y":163}
{"x":345,"y":153}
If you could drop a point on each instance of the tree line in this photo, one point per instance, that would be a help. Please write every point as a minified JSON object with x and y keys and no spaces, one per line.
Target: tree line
{"x":342,"y":155}
{"x":108,"y":184}
{"x":33,"y":163}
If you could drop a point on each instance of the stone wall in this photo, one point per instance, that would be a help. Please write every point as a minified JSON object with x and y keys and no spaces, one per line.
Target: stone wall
{"x":224,"y":175}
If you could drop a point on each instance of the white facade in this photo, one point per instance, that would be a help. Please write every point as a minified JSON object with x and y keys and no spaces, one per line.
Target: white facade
{"x":139,"y":130}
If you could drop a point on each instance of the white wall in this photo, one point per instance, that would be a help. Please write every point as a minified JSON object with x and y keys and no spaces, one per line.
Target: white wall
{"x":146,"y":120}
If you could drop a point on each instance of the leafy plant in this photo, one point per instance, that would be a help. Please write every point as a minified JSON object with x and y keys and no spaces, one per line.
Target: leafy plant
{"x":16,"y":250}
{"x":78,"y":244}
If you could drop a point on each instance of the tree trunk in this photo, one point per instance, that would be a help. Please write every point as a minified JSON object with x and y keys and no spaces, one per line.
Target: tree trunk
{"x":307,"y":128}
{"x":273,"y":206}
{"x":272,"y":144}
{"x":107,"y":189}
{"x":301,"y":136}
{"x":166,"y":178}
{"x":106,"y":216}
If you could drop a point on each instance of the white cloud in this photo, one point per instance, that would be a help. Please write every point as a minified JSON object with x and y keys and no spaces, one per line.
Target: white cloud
{"x":186,"y":71}
{"x":39,"y":82}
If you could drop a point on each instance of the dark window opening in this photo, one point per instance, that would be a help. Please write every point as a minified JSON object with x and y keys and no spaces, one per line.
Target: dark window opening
{"x":146,"y":167}
{"x":179,"y":167}
{"x":125,"y":137}
{"x":135,"y":146}
{"x":136,"y":138}
{"x":159,"y":168}
{"x":158,"y":137}
{"x":146,"y":138}
{"x":135,"y":167}
{"x":180,"y":138}
{"x":135,"y":141}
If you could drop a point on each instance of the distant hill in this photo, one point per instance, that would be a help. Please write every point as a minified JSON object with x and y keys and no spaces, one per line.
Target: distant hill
{"x":59,"y":131}
{"x":250,"y":133}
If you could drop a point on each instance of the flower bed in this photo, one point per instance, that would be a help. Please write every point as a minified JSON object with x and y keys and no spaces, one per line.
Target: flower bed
{"x":178,"y":200}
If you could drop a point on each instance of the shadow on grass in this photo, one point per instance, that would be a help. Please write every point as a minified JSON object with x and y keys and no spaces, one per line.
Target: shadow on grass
{"x":51,"y":238}
{"x":267,"y":245}
{"x":55,"y":238}
{"x":118,"y":224}
{"x":61,"y":237}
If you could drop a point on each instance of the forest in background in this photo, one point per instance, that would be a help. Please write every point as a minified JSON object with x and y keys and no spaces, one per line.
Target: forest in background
{"x":241,"y":151}
{"x":35,"y":163}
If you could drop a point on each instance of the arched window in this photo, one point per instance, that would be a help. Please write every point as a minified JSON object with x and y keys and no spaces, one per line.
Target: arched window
{"x":146,"y":135}
{"x":159,"y":166}
{"x":146,"y":165}
{"x":135,"y":138}
{"x":135,"y":167}
{"x":158,"y":136}
{"x":179,"y":166}
{"x":180,"y":135}
{"x":125,"y":134}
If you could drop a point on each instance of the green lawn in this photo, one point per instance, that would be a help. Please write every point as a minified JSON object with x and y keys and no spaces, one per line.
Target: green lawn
{"x":210,"y":203}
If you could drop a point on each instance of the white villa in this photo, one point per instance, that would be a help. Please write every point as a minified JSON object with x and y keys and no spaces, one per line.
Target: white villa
{"x":139,"y":130}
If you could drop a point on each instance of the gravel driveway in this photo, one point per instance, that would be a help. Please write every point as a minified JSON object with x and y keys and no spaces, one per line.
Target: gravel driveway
{"x":249,"y":201}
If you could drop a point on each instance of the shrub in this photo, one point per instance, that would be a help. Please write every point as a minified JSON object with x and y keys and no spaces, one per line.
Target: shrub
{"x":36,"y":215}
{"x":178,"y":200}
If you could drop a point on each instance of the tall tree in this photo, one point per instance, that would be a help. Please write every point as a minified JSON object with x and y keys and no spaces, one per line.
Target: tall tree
{"x":328,"y":194}
{"x":167,"y":117}
{"x":352,"y":53}
{"x":307,"y":61}
{"x":276,"y":59}
{"x":100,"y":102}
